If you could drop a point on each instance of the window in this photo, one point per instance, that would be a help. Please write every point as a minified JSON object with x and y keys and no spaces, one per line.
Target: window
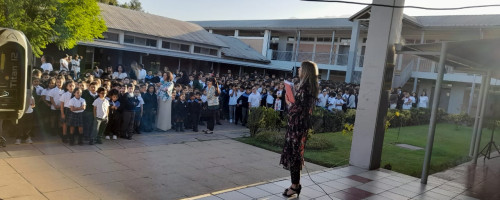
{"x":307,"y":39}
{"x":345,"y":40}
{"x":247,"y":33}
{"x":324,"y":39}
{"x":151,"y":43}
{"x":206,"y":51}
{"x":129,"y":39}
{"x":290,"y":39}
{"x":110,"y":36}
{"x":224,"y":32}
{"x":175,"y":46}
{"x":140,"y":41}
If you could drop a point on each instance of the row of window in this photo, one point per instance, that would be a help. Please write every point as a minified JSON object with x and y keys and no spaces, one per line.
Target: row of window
{"x":129,"y":39}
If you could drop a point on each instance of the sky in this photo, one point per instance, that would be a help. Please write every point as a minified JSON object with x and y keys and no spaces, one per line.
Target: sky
{"x":201,"y":10}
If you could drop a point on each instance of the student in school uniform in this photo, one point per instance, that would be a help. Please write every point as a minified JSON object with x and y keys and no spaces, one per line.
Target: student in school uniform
{"x":114,"y":122}
{"x":45,"y":112}
{"x":24,"y":127}
{"x":127,"y":106}
{"x":55,"y":97}
{"x":101,"y":112}
{"x":139,"y":110}
{"x":69,"y":86}
{"x":195,"y":110}
{"x":89,"y":95}
{"x":77,"y":105}
{"x":181,"y":112}
{"x":150,"y":107}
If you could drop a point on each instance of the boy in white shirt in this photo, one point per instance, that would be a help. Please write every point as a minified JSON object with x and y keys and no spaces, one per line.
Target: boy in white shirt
{"x":254,"y":99}
{"x":101,"y":111}
{"x":322,"y":99}
{"x":55,"y":97}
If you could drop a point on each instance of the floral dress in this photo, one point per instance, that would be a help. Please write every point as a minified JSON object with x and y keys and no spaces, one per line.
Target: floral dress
{"x":299,"y":114}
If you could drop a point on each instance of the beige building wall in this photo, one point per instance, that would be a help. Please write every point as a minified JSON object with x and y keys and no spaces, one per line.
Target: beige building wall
{"x":254,"y":43}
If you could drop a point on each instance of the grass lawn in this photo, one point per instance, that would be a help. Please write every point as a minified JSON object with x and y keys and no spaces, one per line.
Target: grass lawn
{"x":451,"y":147}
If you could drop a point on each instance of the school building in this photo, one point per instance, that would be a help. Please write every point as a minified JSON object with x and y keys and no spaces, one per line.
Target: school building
{"x":278,"y":47}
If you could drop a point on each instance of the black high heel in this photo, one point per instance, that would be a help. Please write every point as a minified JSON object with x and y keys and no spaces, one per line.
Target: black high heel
{"x":295,"y":190}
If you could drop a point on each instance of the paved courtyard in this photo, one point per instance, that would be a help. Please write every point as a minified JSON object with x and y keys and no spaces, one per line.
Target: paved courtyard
{"x":165,"y":165}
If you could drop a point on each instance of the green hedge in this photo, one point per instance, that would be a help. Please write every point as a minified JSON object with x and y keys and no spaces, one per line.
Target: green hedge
{"x":322,"y":120}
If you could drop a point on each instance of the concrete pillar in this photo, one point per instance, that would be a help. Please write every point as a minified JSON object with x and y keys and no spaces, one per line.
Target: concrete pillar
{"x":314,"y":49}
{"x":140,"y":58}
{"x":265,"y":42}
{"x":178,"y":64}
{"x":328,"y":75}
{"x":236,"y":33}
{"x":283,"y":40}
{"x":353,"y":51}
{"x":422,"y":37}
{"x":121,"y":37}
{"x":481,"y":117}
{"x":296,"y":53}
{"x":471,"y":96}
{"x":210,"y":31}
{"x":384,"y":31}
{"x":476,"y":119}
{"x":159,"y":43}
{"x":332,"y":47}
{"x":120,"y":57}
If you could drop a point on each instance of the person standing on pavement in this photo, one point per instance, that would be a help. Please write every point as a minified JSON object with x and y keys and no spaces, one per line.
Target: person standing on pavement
{"x":213,"y":92}
{"x":299,"y":114}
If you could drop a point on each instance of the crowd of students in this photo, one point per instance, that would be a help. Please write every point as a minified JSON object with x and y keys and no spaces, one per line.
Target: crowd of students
{"x":110,"y":102}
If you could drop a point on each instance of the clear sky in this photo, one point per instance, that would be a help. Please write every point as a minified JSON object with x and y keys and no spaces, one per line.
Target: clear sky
{"x":198,"y":10}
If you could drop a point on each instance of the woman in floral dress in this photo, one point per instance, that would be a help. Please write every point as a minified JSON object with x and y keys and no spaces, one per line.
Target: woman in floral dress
{"x":299,"y":113}
{"x":163,"y":120}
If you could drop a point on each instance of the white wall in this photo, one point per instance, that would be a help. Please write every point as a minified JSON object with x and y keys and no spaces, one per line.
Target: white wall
{"x":456,"y":98}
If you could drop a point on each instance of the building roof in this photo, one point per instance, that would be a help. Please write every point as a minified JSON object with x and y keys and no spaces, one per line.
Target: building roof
{"x":444,"y":21}
{"x":240,"y":50}
{"x":154,"y":25}
{"x":323,"y":23}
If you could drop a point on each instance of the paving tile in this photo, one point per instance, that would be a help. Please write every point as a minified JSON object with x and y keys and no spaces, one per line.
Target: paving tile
{"x":327,"y":197}
{"x":76,"y":193}
{"x":374,"y":175}
{"x":272,"y":188}
{"x":464,"y":197}
{"x":435,"y":195}
{"x":254,"y":192}
{"x":371,"y":188}
{"x":445,"y":192}
{"x":233,"y":196}
{"x":336,"y":184}
{"x":349,"y":182}
{"x":381,"y":185}
{"x":393,"y":196}
{"x":345,"y":195}
{"x":403,"y":192}
{"x":329,"y":176}
{"x":358,"y":192}
{"x":211,"y":197}
{"x":359,"y":179}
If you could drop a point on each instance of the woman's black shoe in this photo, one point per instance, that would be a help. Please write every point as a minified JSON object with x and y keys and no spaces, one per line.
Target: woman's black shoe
{"x":295,"y":191}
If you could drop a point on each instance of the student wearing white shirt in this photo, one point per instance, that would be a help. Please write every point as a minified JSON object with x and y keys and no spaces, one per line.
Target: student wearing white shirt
{"x":338,"y":102}
{"x":142,"y":74}
{"x":46,"y":66}
{"x":322,"y":99}
{"x":101,"y":111}
{"x":254,"y":99}
{"x":77,"y":106}
{"x":64,"y":104}
{"x":64,"y":64}
{"x":75,"y":66}
{"x":407,"y":102}
{"x":270,"y":99}
{"x":331,"y":102}
{"x":423,"y":100}
{"x":55,"y":97}
{"x":233,"y":100}
{"x":119,"y":74}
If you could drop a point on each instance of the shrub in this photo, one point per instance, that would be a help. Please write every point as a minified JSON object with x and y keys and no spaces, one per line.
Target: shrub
{"x":263,"y":118}
{"x":461,"y":119}
{"x":350,"y":116}
{"x":324,"y":120}
{"x":276,"y":138}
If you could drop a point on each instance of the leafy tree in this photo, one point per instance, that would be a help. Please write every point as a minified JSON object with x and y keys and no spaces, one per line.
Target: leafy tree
{"x":110,"y":2}
{"x":133,"y":5}
{"x":63,"y":22}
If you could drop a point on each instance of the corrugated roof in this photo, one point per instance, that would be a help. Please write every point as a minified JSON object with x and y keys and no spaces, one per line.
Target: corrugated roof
{"x":323,"y":23}
{"x":154,"y":25}
{"x":238,"y":49}
{"x":459,"y":21}
{"x":336,"y":23}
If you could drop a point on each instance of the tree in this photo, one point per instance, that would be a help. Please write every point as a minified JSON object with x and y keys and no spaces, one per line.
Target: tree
{"x":110,"y":2}
{"x":133,"y":5}
{"x":63,"y":22}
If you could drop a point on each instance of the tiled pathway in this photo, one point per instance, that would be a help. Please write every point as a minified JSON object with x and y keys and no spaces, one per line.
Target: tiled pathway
{"x":351,"y":183}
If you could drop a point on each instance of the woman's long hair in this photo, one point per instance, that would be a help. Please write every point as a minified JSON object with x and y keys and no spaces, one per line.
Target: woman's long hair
{"x":309,"y":76}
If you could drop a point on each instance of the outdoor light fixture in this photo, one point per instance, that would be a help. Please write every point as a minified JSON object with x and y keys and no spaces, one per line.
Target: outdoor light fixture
{"x":15,"y":73}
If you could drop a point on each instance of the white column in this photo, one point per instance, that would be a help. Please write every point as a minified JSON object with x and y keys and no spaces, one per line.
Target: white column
{"x":481,"y":117}
{"x":476,"y":119}
{"x":159,"y":43}
{"x":422,"y":37}
{"x":384,"y":31}
{"x":332,"y":47}
{"x":314,"y":49}
{"x":236,"y":33}
{"x":353,"y":51}
{"x":265,"y":42}
{"x":471,"y":95}
{"x":296,"y":53}
{"x":121,"y":37}
{"x":210,"y":31}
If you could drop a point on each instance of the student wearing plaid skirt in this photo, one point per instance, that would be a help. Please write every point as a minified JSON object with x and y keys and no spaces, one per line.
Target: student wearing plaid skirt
{"x":77,"y":106}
